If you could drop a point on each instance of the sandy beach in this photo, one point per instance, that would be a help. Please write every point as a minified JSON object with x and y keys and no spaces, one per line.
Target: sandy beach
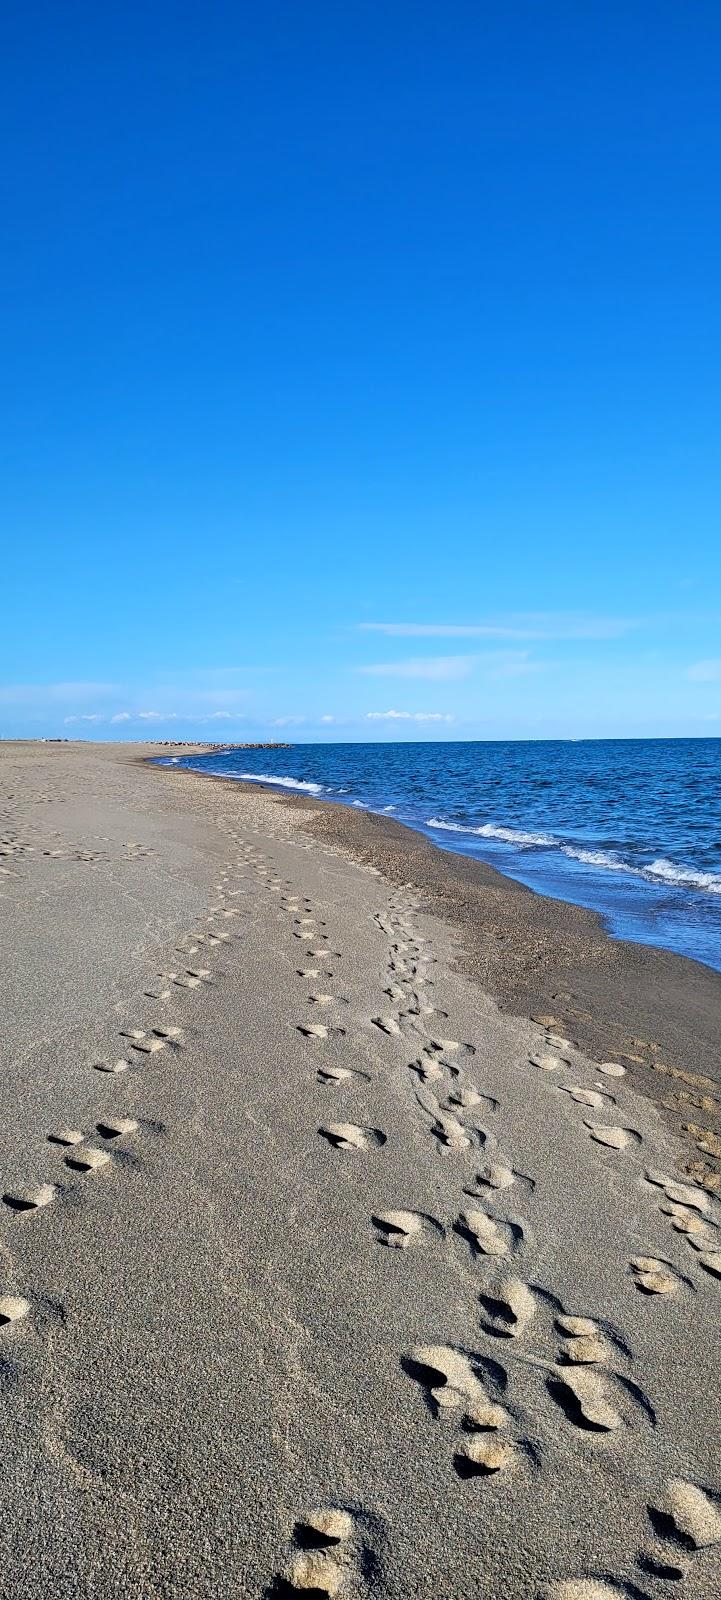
{"x":361,"y":1222}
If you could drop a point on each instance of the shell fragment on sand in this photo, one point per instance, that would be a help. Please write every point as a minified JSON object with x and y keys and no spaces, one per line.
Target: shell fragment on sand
{"x":111,"y":1066}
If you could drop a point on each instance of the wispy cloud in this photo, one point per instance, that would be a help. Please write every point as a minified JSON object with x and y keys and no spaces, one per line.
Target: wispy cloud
{"x":438,"y":669}
{"x":53,"y":694}
{"x":705,"y":671}
{"x":408,"y":716}
{"x":542,"y":625}
{"x":92,"y":716}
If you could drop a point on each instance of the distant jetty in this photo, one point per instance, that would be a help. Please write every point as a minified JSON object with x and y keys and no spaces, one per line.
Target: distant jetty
{"x":214,"y":744}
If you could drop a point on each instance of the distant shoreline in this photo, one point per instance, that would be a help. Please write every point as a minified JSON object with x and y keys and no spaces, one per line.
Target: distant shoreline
{"x":658,"y":1012}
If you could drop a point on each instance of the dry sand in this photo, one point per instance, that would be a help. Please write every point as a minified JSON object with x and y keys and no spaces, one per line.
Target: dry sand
{"x":383,"y":1289}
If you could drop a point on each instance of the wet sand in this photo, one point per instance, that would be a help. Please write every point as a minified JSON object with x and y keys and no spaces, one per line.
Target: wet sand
{"x":325,"y":1269}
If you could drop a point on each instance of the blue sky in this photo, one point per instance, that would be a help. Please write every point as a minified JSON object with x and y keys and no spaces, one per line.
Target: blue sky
{"x":361,"y":370}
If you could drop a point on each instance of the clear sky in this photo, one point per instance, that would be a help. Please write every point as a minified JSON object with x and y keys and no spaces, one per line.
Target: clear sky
{"x":361,"y":369}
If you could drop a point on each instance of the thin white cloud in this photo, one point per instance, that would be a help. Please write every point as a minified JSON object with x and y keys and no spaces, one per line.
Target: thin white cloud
{"x":327,"y":719}
{"x":286,"y":722}
{"x":408,"y":716}
{"x":522,"y":625}
{"x":43,"y":694}
{"x":121,"y":716}
{"x":93,"y":716}
{"x":705,"y":671}
{"x":436,"y":669}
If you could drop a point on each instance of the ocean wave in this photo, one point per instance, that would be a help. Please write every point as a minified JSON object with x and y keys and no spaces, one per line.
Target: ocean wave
{"x":684,"y":877}
{"x":660,"y":871}
{"x":490,"y":831}
{"x":285,"y":783}
{"x":597,"y":858}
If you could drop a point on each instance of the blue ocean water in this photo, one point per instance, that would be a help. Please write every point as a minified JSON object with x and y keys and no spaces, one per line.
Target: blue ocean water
{"x":629,"y":828}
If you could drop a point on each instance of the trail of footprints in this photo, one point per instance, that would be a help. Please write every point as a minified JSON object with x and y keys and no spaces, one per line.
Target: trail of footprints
{"x":584,"y":1372}
{"x":83,"y":1152}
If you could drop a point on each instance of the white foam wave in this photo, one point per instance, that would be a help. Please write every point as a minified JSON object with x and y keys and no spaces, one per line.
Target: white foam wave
{"x":660,"y":871}
{"x":597,"y":858}
{"x":285,"y":783}
{"x":490,"y":831}
{"x":685,"y":877}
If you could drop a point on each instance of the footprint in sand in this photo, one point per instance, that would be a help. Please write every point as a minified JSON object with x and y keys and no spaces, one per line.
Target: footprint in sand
{"x":449,"y":1132}
{"x":690,"y":1210}
{"x":586,"y":1097}
{"x":398,"y":1229}
{"x":492,"y":1236}
{"x":317,"y":1030}
{"x":583,"y":1343}
{"x":653,"y":1276}
{"x":447,"y":1128}
{"x":615,"y":1138}
{"x":452,"y":1381}
{"x":387,"y":1025}
{"x":116,"y":1127}
{"x":66,"y":1135}
{"x":496,"y":1175}
{"x":449,"y":1047}
{"x":323,"y":1555}
{"x":508,"y":1309}
{"x":688,"y":1515}
{"x":338,"y":1075}
{"x":86,"y":1158}
{"x":449,"y":1377}
{"x":584,"y":1396}
{"x":31,"y":1198}
{"x":13,"y":1308}
{"x":547,"y":1062}
{"x":350,"y":1136}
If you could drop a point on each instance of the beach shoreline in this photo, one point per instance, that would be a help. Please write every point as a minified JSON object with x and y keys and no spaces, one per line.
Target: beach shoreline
{"x":657,"y":1012}
{"x":321,"y":1271}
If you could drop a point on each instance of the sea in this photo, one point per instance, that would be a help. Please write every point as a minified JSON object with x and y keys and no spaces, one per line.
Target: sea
{"x":630,"y":828}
